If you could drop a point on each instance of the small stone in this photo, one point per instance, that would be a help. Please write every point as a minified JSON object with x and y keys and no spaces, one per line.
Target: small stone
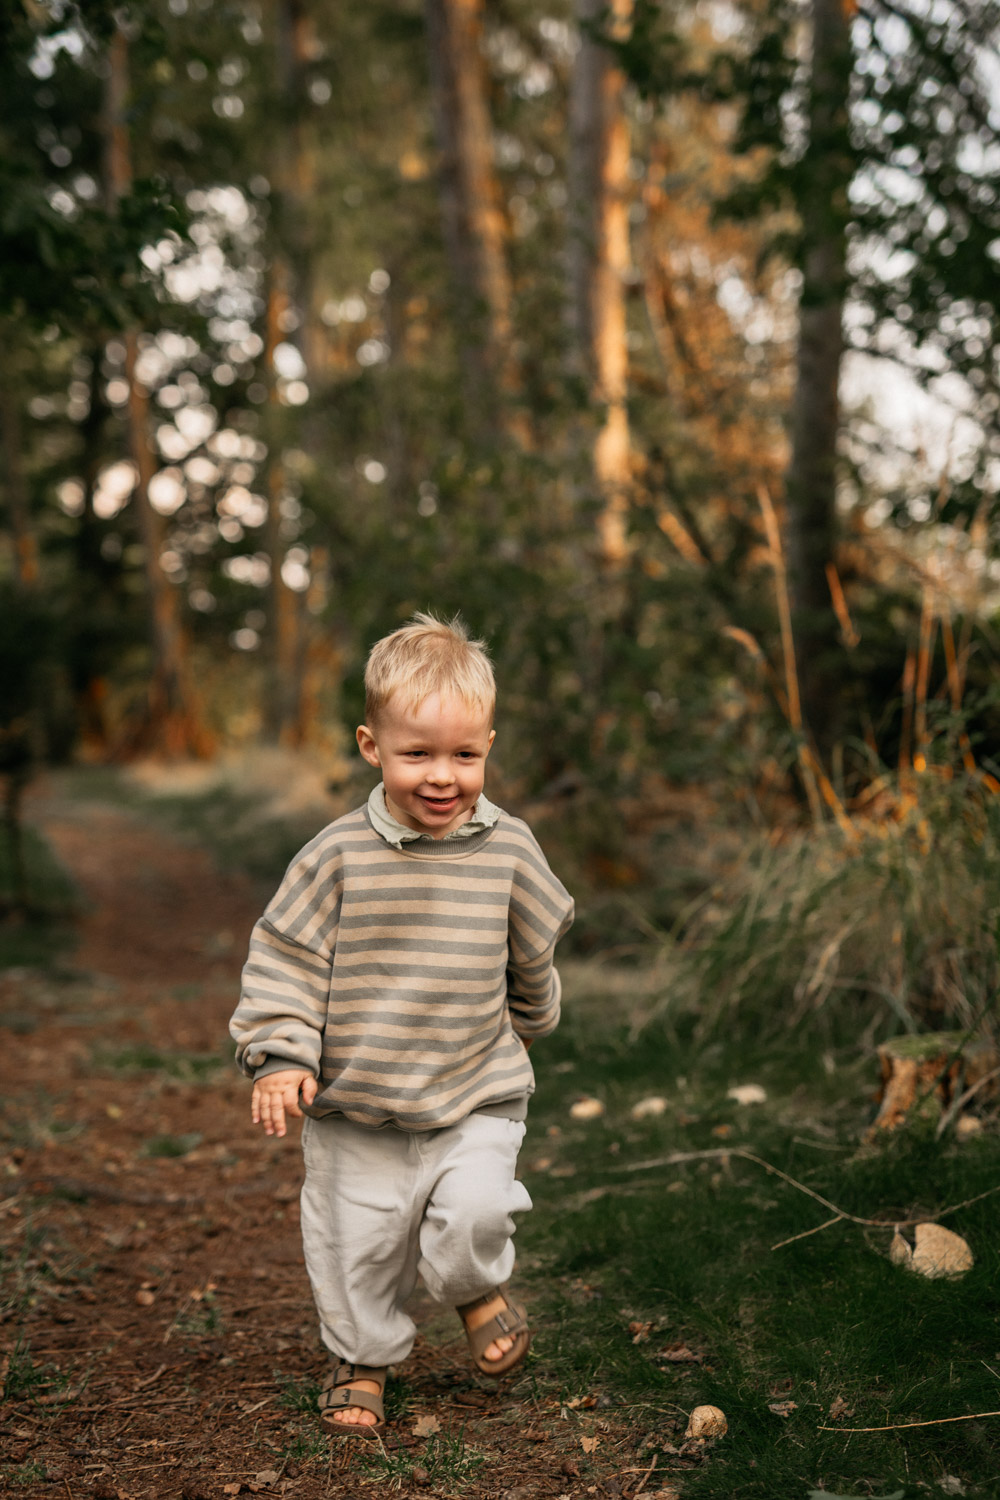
{"x":648,"y":1108}
{"x":586,"y":1109}
{"x":144,"y":1297}
{"x":747,"y":1093}
{"x":706,"y":1422}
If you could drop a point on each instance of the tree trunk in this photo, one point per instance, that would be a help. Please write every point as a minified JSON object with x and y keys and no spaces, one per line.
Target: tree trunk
{"x":290,"y":291}
{"x":815,"y":425}
{"x":600,"y":257}
{"x":171,"y":724}
{"x":475,"y":231}
{"x":24,"y":547}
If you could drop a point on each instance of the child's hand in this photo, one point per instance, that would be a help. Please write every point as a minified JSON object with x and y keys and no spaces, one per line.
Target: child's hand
{"x":278,"y":1094}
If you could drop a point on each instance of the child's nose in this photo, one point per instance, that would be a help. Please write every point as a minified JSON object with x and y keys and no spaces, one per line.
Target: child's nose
{"x":439,"y":772}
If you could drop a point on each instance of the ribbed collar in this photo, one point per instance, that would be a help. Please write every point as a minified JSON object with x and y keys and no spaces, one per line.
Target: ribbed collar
{"x":484,"y":816}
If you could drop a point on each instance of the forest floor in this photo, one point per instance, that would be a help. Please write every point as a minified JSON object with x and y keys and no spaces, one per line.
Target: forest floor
{"x":158,"y":1336}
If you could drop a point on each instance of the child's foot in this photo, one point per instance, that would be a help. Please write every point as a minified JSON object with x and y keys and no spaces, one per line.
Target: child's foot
{"x":351,"y":1398}
{"x":484,"y":1312}
{"x":497,"y":1330}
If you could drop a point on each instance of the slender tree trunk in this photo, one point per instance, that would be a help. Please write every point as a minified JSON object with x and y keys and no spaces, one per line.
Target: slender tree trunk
{"x":475,"y":230}
{"x":171,"y":725}
{"x":24,"y":546}
{"x":290,"y":317}
{"x":600,"y":257}
{"x":815,"y":424}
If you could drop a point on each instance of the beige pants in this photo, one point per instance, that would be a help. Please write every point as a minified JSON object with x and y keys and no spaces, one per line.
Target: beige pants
{"x":380,"y":1207}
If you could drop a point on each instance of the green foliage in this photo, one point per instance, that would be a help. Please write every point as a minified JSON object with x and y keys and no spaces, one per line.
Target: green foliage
{"x":659,"y":1221}
{"x":894,"y":929}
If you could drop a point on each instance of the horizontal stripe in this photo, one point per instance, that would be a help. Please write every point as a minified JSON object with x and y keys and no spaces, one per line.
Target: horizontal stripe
{"x":400,"y":977}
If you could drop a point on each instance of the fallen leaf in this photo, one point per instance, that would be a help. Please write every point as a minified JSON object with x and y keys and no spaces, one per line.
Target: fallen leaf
{"x":680,"y":1354}
{"x":722,"y":1130}
{"x":267,"y":1476}
{"x":426,"y":1426}
{"x":747,"y":1093}
{"x":586,"y":1109}
{"x":936,"y":1252}
{"x":782,"y":1408}
{"x":951,"y":1485}
{"x":588,"y":1444}
{"x":645,"y":1109}
{"x":839,"y":1408}
{"x":967,"y":1125}
{"x":231,"y":1489}
{"x":639,"y":1331}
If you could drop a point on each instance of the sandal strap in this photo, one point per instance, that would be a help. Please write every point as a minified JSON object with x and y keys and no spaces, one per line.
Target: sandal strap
{"x":338,"y":1393}
{"x":507,"y":1323}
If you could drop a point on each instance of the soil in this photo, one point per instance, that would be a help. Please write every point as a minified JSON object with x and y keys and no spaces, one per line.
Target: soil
{"x":158,"y":1336}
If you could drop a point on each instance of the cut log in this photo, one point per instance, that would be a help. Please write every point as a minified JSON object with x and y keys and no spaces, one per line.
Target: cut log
{"x":923,"y":1076}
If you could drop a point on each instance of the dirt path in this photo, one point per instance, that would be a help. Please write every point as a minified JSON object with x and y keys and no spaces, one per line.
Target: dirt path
{"x":158,"y":1334}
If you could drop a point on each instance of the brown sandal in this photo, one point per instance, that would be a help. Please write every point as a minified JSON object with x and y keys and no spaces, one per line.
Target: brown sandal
{"x":338,"y":1394}
{"x":511,"y":1322}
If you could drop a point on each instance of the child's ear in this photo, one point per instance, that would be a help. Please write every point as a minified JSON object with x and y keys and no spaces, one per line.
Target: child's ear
{"x":489,"y":742}
{"x":367,"y":745}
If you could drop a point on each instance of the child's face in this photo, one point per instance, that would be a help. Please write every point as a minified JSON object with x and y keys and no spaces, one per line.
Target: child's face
{"x":432,"y":759}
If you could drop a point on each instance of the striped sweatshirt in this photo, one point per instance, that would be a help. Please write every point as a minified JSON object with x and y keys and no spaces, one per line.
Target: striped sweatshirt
{"x":403,"y":978}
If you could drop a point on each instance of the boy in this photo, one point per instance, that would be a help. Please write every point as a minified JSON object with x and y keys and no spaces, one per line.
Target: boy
{"x":394,"y":986}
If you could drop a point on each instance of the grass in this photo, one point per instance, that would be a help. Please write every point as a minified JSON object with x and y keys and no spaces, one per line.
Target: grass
{"x":190,"y":1067}
{"x":446,"y":1459}
{"x":619,"y":1237}
{"x":35,"y":939}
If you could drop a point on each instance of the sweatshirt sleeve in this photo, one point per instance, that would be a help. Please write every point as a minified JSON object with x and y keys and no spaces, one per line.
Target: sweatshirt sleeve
{"x":541,"y":910}
{"x":285,"y":992}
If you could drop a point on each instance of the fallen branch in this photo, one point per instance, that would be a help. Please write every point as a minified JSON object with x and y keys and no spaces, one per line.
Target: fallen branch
{"x":898,"y":1426}
{"x":717,"y":1153}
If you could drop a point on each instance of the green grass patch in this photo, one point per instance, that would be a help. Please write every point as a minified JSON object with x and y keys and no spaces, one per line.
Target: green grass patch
{"x":446,"y":1459}
{"x":38,"y":937}
{"x":190,"y":1067}
{"x":172,"y":1146}
{"x":635,"y":1255}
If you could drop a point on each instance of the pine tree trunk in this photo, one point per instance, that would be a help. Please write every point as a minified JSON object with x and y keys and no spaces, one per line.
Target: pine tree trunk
{"x":24,"y":546}
{"x":600,"y":257}
{"x":815,"y":426}
{"x":290,"y":290}
{"x":475,"y":230}
{"x":171,"y":725}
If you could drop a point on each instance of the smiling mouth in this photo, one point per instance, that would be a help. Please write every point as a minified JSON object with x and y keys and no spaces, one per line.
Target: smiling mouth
{"x":439,"y":802}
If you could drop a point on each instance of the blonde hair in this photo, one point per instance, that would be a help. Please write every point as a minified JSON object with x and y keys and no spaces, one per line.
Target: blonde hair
{"x":427,"y":656}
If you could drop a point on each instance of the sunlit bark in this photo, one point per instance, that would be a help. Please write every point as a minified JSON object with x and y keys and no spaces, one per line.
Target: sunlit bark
{"x":811,"y":479}
{"x":172,"y":725}
{"x":475,"y":227}
{"x":600,"y":257}
{"x":290,"y":317}
{"x":24,"y":548}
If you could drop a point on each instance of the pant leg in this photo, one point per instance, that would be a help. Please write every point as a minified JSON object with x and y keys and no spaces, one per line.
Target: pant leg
{"x":465,"y":1236}
{"x":361,"y":1206}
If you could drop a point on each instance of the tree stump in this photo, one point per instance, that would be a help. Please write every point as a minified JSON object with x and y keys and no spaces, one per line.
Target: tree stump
{"x":928,"y":1073}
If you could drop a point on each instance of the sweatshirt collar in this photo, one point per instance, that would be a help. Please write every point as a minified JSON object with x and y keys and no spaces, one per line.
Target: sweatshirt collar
{"x":484,"y":815}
